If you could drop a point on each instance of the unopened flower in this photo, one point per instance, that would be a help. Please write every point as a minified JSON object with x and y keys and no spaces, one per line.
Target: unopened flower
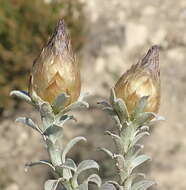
{"x":56,"y":71}
{"x":142,"y":79}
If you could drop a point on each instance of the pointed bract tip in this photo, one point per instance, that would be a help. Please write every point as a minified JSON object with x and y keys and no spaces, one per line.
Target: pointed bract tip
{"x":151,"y":59}
{"x":56,"y":70}
{"x":60,"y":28}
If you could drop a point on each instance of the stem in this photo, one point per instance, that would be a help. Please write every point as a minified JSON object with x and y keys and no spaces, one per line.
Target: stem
{"x":127,"y":156}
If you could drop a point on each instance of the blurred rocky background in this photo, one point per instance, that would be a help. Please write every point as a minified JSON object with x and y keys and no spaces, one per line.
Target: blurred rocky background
{"x":108,"y":36}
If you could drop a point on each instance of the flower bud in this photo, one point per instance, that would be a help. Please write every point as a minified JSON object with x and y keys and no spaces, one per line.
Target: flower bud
{"x":55,"y":70}
{"x":142,"y":79}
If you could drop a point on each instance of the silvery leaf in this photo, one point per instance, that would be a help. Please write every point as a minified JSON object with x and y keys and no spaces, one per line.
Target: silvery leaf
{"x":22,"y":95}
{"x":138,"y":137}
{"x":64,"y":171}
{"x":94,"y":178}
{"x":27,"y":121}
{"x":67,"y":174}
{"x":46,"y":114}
{"x":133,"y":152}
{"x":117,"y":186}
{"x":83,"y":186}
{"x":118,"y":141}
{"x":119,"y":157}
{"x":108,"y":152}
{"x":54,"y":152}
{"x":60,"y":102}
{"x":140,"y":106}
{"x":121,"y":109}
{"x":108,"y":186}
{"x":62,"y":119}
{"x":51,"y":184}
{"x":139,"y":160}
{"x":127,"y":136}
{"x":143,"y":185}
{"x":156,"y":117}
{"x":117,"y":122}
{"x":85,"y":165}
{"x":144,"y":128}
{"x":129,"y":180}
{"x":40,"y":162}
{"x":112,"y":96}
{"x":143,"y":118}
{"x":70,"y":145}
{"x":54,"y":132}
{"x":76,"y":105}
{"x":46,"y":109}
{"x":69,"y":164}
{"x":123,"y":166}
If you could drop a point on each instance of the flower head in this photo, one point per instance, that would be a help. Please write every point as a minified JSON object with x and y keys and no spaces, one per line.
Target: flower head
{"x":56,"y":70}
{"x":142,"y":79}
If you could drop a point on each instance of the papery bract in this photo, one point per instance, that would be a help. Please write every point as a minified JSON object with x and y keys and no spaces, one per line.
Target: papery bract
{"x":142,"y":79}
{"x":56,"y":71}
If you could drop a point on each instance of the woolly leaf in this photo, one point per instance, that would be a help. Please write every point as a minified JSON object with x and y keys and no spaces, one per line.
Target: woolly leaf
{"x":65,"y":170}
{"x":139,"y":160}
{"x":62,"y":119}
{"x":51,"y":184}
{"x":54,"y":152}
{"x":156,"y":117}
{"x":108,"y":186}
{"x":70,"y":145}
{"x":69,"y":164}
{"x":118,"y":141}
{"x":127,"y":136}
{"x":60,"y":102}
{"x":117,"y":122}
{"x":40,"y":162}
{"x":129,"y":180}
{"x":140,"y":106}
{"x":27,"y":121}
{"x":133,"y":152}
{"x":67,"y":174}
{"x":112,"y":96}
{"x":85,"y":165}
{"x":142,"y":185}
{"x":138,"y":137}
{"x":46,"y":114}
{"x":54,"y":132}
{"x":76,"y":105}
{"x":143,"y":118}
{"x":108,"y":152}
{"x":21,"y":95}
{"x":118,"y":187}
{"x":121,"y":109}
{"x":83,"y":186}
{"x":123,"y":166}
{"x":94,"y":178}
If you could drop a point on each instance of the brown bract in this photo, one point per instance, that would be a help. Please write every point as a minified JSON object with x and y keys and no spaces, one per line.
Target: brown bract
{"x":56,"y":70}
{"x":142,"y":79}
